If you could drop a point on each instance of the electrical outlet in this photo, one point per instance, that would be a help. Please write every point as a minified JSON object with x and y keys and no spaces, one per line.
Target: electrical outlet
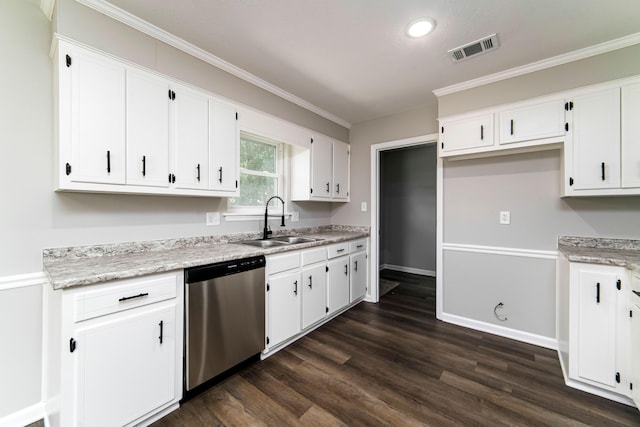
{"x":295,"y":216}
{"x":213,"y":218}
{"x":505,"y":217}
{"x":363,"y":206}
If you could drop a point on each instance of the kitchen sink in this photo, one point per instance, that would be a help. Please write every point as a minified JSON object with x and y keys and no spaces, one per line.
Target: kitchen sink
{"x":278,"y":241}
{"x":295,"y":239}
{"x":264,"y":243}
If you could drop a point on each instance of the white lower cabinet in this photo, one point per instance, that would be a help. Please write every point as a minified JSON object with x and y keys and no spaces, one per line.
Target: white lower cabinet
{"x":306,"y":287}
{"x":359,"y":269}
{"x":338,"y":278}
{"x":117,"y":355}
{"x":283,"y":299}
{"x":599,"y":321}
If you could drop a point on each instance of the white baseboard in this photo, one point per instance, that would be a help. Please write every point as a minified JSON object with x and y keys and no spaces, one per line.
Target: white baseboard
{"x":25,"y":416}
{"x":411,"y":270}
{"x":514,"y":334}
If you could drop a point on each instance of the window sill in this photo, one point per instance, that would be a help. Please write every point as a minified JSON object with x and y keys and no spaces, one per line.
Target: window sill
{"x":238,"y":216}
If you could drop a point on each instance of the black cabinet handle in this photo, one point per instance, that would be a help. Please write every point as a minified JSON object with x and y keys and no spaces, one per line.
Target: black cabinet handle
{"x":355,"y":265}
{"x":602,"y":167}
{"x":108,"y":161}
{"x":337,"y":188}
{"x":144,"y":165}
{"x":133,"y":297}
{"x":220,"y":172}
{"x":359,"y":246}
{"x":161,"y":324}
{"x":636,"y":292}
{"x":72,"y":345}
{"x":346,"y":269}
{"x":310,"y":282}
{"x":328,"y":187}
{"x":198,"y":169}
{"x":295,"y":287}
{"x":598,"y":293}
{"x":511,"y":126}
{"x":481,"y":132}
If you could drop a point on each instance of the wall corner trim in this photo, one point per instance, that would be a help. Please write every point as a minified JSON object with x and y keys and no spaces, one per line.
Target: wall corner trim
{"x":157,"y":33}
{"x":622,"y":42}
{"x":47,"y":8}
{"x":23,"y":280}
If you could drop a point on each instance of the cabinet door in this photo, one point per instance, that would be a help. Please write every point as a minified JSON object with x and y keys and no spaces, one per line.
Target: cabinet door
{"x":635,"y":353}
{"x":224,"y":146}
{"x":474,"y":132}
{"x":284,"y":307}
{"x":543,"y":120}
{"x":147,"y":129}
{"x":124,"y":366}
{"x":92,"y":93}
{"x":191,"y":138}
{"x":338,"y":284}
{"x":321,"y":167}
{"x":595,"y":131}
{"x":340,"y":170}
{"x":314,"y":294}
{"x":596,"y":323}
{"x":631,"y":136}
{"x":358,"y":281}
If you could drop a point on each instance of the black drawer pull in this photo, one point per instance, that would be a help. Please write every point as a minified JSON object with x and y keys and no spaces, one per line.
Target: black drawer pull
{"x":198,"y":169}
{"x":340,"y":250}
{"x":144,"y":165}
{"x":481,"y":132}
{"x":598,"y":293}
{"x":161,"y":337}
{"x":108,"y":161}
{"x":511,"y":126}
{"x":637,"y":293}
{"x":135,"y":296}
{"x":603,"y":174}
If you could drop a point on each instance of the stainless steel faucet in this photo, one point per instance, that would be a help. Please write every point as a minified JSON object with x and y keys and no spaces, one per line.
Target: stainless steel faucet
{"x":266,"y":231}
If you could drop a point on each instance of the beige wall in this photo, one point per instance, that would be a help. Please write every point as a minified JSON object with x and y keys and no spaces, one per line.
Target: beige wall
{"x":409,"y":124}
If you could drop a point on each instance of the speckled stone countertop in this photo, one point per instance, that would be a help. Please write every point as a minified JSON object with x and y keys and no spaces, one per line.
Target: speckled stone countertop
{"x":620,"y":252}
{"x":85,"y":265}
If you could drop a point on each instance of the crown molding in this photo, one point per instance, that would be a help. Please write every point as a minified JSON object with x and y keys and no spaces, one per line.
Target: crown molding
{"x":565,"y":58}
{"x":47,"y":7}
{"x":172,"y":40}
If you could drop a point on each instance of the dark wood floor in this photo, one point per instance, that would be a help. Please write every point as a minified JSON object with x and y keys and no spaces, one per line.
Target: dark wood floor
{"x":393,"y":363}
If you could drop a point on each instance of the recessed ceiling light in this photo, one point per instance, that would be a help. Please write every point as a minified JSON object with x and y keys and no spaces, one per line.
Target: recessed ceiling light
{"x":420,"y":27}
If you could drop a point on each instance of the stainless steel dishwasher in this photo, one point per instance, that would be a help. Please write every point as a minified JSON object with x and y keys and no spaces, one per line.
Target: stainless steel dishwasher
{"x":225,"y":317}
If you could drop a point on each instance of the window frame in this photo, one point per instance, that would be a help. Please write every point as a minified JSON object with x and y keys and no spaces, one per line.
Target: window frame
{"x":281,"y":175}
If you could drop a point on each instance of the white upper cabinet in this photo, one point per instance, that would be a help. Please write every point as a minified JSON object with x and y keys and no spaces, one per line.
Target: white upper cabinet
{"x":595,"y":140}
{"x":321,"y":167}
{"x":191,"y":137}
{"x":91,"y":93}
{"x":466,"y":133}
{"x":224,"y":140}
{"x":631,"y":136}
{"x":531,"y":122}
{"x":320,"y":172}
{"x":124,"y":129}
{"x":340,"y":170}
{"x":147,"y":129}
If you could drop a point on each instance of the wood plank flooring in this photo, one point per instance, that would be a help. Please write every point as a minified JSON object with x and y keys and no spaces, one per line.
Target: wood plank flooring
{"x":393,"y":363}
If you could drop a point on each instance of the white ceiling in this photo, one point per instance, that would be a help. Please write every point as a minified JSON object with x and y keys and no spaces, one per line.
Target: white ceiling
{"x":352,"y":59}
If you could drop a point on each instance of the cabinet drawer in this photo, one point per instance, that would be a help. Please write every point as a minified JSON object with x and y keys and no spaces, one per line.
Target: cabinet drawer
{"x":123,"y":295}
{"x":357,"y":245}
{"x":313,"y":256}
{"x":278,"y":263}
{"x":338,"y":250}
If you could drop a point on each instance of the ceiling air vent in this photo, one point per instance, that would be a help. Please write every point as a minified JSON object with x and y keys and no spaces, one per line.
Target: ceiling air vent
{"x":477,"y":47}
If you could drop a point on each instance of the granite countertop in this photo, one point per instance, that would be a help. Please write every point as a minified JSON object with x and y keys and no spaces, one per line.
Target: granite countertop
{"x":619,"y":252}
{"x":85,"y":265}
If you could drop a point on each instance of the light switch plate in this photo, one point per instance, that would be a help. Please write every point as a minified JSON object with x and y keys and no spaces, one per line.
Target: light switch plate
{"x":363,"y":206}
{"x":505,"y":217}
{"x":213,"y":218}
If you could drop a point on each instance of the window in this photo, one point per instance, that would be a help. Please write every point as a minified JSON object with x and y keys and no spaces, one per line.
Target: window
{"x":261,"y":173}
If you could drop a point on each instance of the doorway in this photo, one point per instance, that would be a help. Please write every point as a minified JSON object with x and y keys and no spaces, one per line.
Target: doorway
{"x":405,"y":212}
